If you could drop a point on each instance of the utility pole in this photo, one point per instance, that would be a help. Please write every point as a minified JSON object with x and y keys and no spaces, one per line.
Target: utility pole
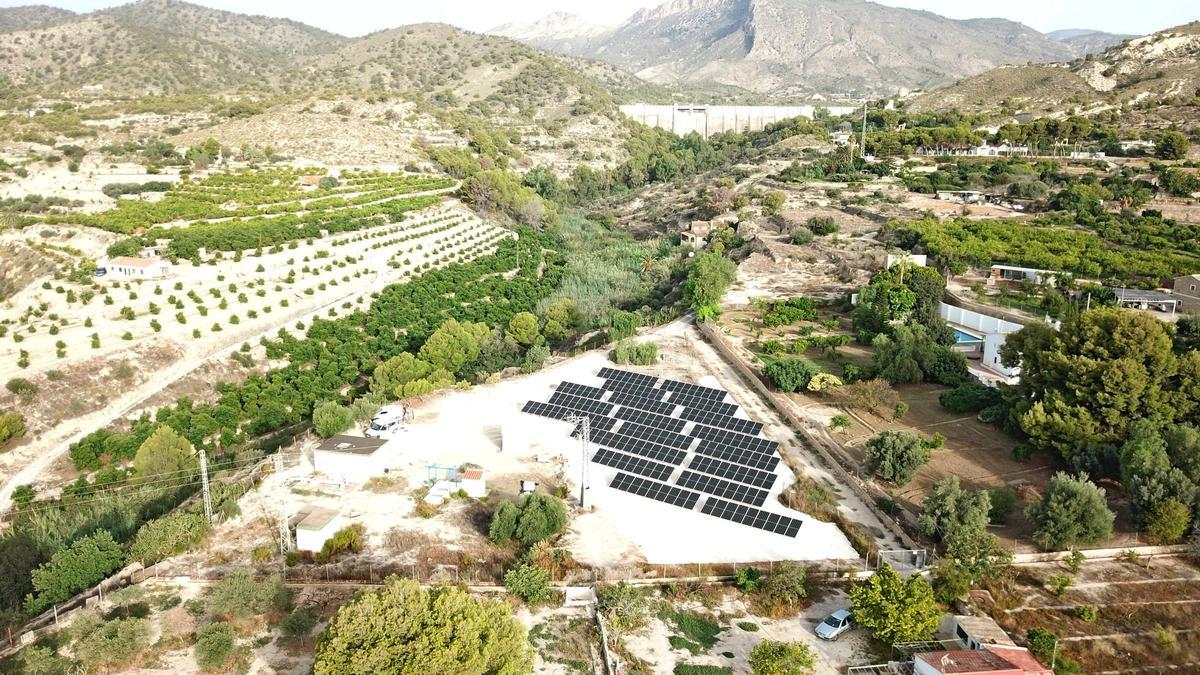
{"x":208,"y":512}
{"x":585,"y":434}
{"x":285,"y":535}
{"x":862,"y":150}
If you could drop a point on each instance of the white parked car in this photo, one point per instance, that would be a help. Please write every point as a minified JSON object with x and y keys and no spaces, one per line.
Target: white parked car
{"x":386,"y":422}
{"x":835,"y":624}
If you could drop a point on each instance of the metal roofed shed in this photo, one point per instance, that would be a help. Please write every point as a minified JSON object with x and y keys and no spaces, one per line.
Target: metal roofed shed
{"x":349,"y":459}
{"x":1160,"y":301}
{"x":974,"y":632}
{"x":315,"y":528}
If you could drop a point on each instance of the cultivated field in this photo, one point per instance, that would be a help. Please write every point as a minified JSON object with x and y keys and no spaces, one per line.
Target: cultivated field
{"x":98,"y":346}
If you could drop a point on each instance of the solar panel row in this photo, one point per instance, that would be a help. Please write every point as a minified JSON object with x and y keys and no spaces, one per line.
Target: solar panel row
{"x":693,"y":390}
{"x":579,"y":390}
{"x":723,"y":488}
{"x":748,"y":515}
{"x":662,"y":492}
{"x":723,"y":421}
{"x":642,"y":403}
{"x":738,"y":455}
{"x":660,"y":436}
{"x":588,"y":405}
{"x":707,"y":405}
{"x":559,"y":412}
{"x":648,"y":418}
{"x":737,"y":472}
{"x":637,"y":446}
{"x":634,"y":388}
{"x":627,"y":376}
{"x":736,"y":440}
{"x":638,"y":465}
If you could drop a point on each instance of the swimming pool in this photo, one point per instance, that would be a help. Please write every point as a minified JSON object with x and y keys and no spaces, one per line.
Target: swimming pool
{"x":964,"y":338}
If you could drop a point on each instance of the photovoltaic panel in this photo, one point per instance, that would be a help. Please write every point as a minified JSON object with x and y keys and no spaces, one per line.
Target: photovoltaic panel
{"x":655,"y":435}
{"x":723,"y":421}
{"x":637,"y":446}
{"x":587,"y":405}
{"x":627,"y":376}
{"x":723,"y":488}
{"x":641,"y":403}
{"x":738,"y":455}
{"x":580,"y":390}
{"x":559,"y":412}
{"x":638,"y":465}
{"x":734,"y":439}
{"x":706,"y":405}
{"x":694,"y":390}
{"x":635,"y":389}
{"x":748,"y":515}
{"x":737,"y":472}
{"x":644,"y":487}
{"x":650,"y":419}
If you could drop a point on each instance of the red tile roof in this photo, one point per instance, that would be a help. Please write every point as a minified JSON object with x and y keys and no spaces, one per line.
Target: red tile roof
{"x":969,"y":662}
{"x":473,"y":474}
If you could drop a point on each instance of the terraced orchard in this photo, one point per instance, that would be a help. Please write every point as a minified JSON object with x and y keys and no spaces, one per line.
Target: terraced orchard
{"x":224,"y":293}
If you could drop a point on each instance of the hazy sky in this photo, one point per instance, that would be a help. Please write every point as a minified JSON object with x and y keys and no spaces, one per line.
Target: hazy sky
{"x":355,"y":17}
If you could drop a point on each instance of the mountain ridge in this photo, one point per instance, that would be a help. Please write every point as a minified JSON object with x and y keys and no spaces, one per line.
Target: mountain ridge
{"x":794,"y":47}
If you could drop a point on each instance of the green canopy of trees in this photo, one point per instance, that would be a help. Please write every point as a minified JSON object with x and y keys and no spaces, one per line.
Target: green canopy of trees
{"x":1073,"y":510}
{"x":895,"y":609}
{"x":408,"y":630}
{"x":895,"y":456}
{"x":707,"y":280}
{"x":70,"y":570}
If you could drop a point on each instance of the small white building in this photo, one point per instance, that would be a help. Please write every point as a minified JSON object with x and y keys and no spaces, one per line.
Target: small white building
{"x":1018,"y":274}
{"x":315,"y":528}
{"x":960,"y":196}
{"x":473,"y":483}
{"x":980,"y":337}
{"x":349,"y":459}
{"x":136,"y":268}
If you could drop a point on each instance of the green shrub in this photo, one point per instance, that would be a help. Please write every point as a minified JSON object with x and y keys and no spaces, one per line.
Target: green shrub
{"x":166,"y":536}
{"x":624,"y":606}
{"x":216,"y":644}
{"x":531,"y":584}
{"x":346,"y":540}
{"x":22,"y":389}
{"x":637,"y":353}
{"x":790,"y":374}
{"x":749,"y":579}
{"x":1087,"y":613}
{"x":12,"y":425}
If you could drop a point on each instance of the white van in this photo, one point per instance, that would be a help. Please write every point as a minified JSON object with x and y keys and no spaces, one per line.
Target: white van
{"x":386,"y":422}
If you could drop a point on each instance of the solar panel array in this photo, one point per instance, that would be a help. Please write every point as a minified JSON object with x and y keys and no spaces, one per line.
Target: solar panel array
{"x":739,"y":424}
{"x":733,"y":438}
{"x":638,"y":446}
{"x":638,"y":465}
{"x":737,"y":472}
{"x":558,"y":412}
{"x":662,"y":492}
{"x":723,"y":488}
{"x":638,"y":423}
{"x":580,"y":390}
{"x":648,"y":418}
{"x":748,"y":515}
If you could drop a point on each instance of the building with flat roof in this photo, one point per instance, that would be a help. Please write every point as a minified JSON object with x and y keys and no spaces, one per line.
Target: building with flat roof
{"x":136,"y":268}
{"x":349,"y":459}
{"x":315,"y":528}
{"x":1136,"y":298}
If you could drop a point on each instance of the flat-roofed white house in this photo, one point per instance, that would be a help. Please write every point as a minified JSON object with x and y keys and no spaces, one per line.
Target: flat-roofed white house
{"x":315,"y":528}
{"x":980,"y":337}
{"x":1019,"y":274}
{"x":136,"y":268}
{"x":349,"y":459}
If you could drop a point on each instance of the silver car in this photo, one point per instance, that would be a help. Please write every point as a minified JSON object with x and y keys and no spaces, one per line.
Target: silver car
{"x":835,"y":624}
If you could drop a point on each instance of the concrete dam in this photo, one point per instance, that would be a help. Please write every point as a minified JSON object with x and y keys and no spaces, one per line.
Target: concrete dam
{"x":708,"y":120}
